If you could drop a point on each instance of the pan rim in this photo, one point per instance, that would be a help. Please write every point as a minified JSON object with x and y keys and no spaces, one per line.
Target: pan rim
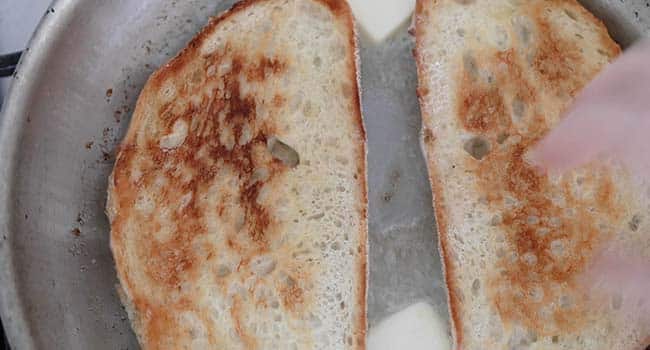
{"x":12,"y":120}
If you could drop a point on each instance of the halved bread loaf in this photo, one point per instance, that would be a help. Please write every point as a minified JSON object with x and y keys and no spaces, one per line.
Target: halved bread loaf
{"x":494,"y":77}
{"x":238,"y":199}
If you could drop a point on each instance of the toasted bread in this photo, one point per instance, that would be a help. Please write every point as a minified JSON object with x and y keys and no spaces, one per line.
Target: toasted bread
{"x":238,"y":199}
{"x":494,"y":77}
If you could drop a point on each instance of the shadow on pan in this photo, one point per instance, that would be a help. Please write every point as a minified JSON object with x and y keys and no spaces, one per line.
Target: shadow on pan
{"x":4,"y":343}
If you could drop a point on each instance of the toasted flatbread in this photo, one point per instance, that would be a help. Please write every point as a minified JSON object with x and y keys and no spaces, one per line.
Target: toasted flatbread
{"x":238,"y":199}
{"x":494,"y":77}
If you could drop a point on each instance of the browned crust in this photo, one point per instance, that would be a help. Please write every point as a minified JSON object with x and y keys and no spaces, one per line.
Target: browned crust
{"x":342,"y":12}
{"x":341,"y":9}
{"x":440,"y":210}
{"x":423,"y":8}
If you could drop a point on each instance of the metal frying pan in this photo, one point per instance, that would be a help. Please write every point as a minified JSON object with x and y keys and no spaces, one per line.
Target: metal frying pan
{"x":70,"y":104}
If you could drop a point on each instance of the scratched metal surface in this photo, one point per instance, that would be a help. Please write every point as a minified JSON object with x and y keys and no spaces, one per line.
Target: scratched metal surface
{"x":59,"y":129}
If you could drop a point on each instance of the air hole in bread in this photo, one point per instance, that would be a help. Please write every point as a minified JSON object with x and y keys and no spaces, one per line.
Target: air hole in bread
{"x":210,"y":70}
{"x":518,"y":108}
{"x":342,"y":160}
{"x":524,"y":33}
{"x":533,"y":220}
{"x":168,"y":92}
{"x":555,"y":222}
{"x":465,"y":2}
{"x":502,"y":137}
{"x":470,"y":66}
{"x":309,"y":110}
{"x":223,"y":271}
{"x":502,"y":39}
{"x":537,"y":294}
{"x":263,"y":266}
{"x":196,"y":77}
{"x":283,"y":152}
{"x":530,"y":259}
{"x":495,"y":221}
{"x":476,"y":285}
{"x":602,"y":53}
{"x":555,"y":339}
{"x":635,"y":222}
{"x":557,"y":248}
{"x":478,"y":147}
{"x":177,"y":135}
{"x":566,"y":301}
{"x":570,"y":15}
{"x":316,"y":216}
{"x":260,"y":174}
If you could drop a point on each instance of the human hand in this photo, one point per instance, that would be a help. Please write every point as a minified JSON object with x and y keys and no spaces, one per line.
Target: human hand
{"x":609,"y":119}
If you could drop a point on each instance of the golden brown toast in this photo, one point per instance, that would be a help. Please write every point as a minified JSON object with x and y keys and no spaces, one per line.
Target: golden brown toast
{"x":238,"y":199}
{"x":494,"y":77}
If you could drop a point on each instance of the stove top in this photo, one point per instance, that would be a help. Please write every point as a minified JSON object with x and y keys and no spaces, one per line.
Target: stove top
{"x":4,"y":344}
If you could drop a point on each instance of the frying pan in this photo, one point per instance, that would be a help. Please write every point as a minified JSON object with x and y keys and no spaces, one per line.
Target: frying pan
{"x":70,"y":104}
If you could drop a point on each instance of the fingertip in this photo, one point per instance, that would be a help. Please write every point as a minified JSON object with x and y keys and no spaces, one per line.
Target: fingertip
{"x":538,"y":158}
{"x":549,"y":156}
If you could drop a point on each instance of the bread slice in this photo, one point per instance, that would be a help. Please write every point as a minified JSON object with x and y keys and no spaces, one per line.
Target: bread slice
{"x":494,"y":77}
{"x":238,"y":199}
